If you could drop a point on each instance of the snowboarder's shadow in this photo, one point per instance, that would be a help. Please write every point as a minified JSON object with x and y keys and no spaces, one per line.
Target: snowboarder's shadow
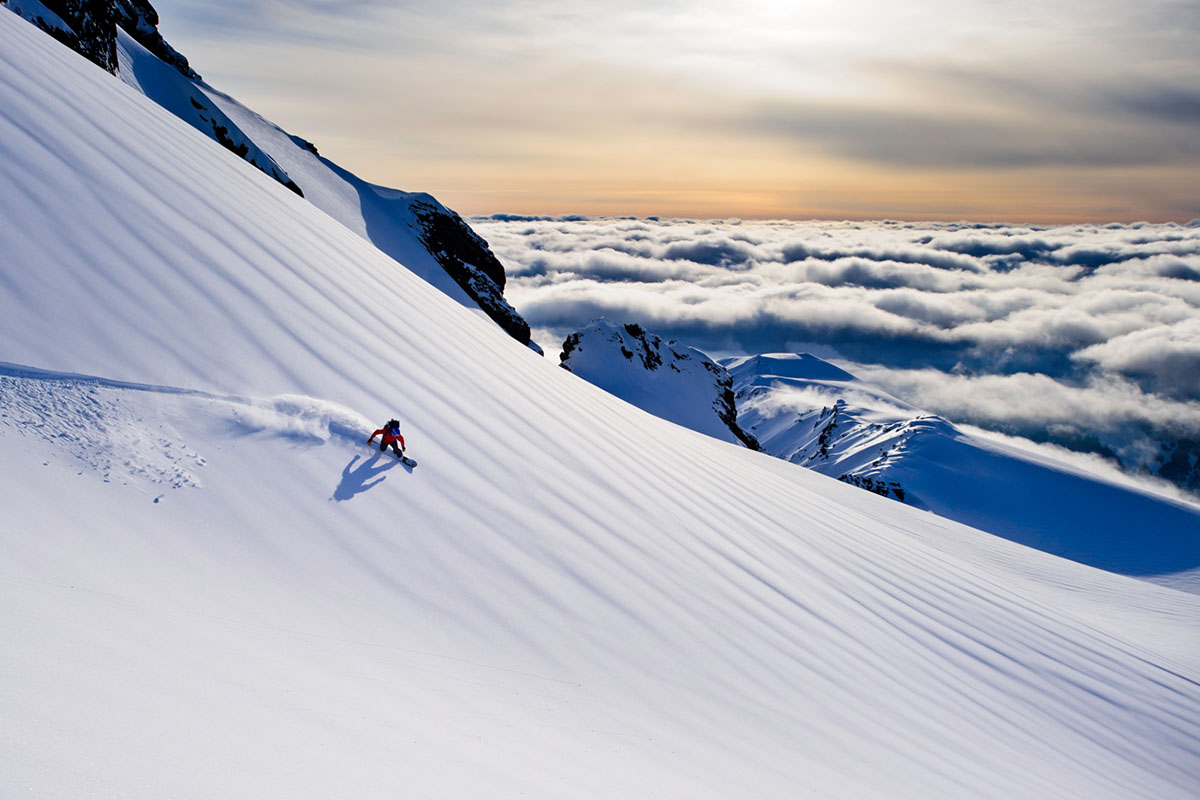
{"x":356,"y":480}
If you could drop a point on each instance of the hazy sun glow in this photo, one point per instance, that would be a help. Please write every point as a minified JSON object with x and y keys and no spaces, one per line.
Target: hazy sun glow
{"x":1068,"y":111}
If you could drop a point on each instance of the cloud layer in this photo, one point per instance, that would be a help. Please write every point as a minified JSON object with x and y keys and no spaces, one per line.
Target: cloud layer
{"x":1058,"y":333}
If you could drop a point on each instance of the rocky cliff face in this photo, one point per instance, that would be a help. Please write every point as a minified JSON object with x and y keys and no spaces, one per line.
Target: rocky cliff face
{"x":667,"y":379}
{"x":89,"y":27}
{"x":140,"y":20}
{"x":467,"y":259}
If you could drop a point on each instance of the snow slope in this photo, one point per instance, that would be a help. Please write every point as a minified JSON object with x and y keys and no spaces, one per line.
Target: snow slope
{"x":208,"y":587}
{"x":185,"y":98}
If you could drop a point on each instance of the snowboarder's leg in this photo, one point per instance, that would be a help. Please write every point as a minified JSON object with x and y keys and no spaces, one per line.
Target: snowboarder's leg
{"x":382,"y":447}
{"x":396,"y":450}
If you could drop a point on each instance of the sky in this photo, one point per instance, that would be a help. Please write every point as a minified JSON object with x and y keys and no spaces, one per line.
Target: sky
{"x":1033,"y":112}
{"x":1086,"y":336}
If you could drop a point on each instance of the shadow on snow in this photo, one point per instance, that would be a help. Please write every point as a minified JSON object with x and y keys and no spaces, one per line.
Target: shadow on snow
{"x":371,"y":473}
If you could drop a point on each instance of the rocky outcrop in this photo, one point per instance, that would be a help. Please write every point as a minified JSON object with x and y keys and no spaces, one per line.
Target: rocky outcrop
{"x":466,"y":257}
{"x":209,"y":120}
{"x":140,"y":20}
{"x":880,"y":487}
{"x":89,"y":27}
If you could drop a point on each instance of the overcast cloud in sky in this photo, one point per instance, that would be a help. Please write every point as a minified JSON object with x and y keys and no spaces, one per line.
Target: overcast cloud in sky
{"x":1081,"y":334}
{"x":939,"y":110}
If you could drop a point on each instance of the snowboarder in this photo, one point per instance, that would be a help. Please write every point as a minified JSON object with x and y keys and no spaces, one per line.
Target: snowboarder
{"x":391,"y":435}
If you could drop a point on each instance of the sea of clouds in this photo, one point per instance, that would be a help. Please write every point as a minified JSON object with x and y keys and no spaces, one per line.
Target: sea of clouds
{"x":1083,"y":335}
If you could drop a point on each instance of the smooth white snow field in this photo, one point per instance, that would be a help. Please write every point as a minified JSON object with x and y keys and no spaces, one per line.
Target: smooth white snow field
{"x":210,"y":587}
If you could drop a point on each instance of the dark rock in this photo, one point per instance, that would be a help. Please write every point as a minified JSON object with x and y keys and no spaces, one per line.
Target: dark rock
{"x":305,"y":143}
{"x":1181,"y":463}
{"x":570,"y":345}
{"x":880,"y":487}
{"x":140,"y":20}
{"x":466,"y":257}
{"x":89,"y":27}
{"x":240,"y":146}
{"x":726,"y":409}
{"x":648,"y":347}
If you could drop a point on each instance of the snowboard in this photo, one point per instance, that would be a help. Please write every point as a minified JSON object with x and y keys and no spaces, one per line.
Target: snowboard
{"x":405,"y":460}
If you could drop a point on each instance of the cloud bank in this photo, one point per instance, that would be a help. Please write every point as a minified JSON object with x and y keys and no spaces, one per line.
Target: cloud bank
{"x":1085,"y":335}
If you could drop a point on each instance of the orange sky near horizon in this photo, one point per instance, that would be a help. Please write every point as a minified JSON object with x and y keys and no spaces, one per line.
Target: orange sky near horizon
{"x":1076,"y":112}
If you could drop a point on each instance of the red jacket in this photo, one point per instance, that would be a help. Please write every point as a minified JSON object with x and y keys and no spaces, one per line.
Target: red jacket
{"x":389,"y":436}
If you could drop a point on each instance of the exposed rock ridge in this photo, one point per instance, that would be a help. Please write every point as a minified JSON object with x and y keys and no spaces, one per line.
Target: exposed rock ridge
{"x":466,"y":257}
{"x":89,"y":27}
{"x":857,"y":445}
{"x":140,"y":20}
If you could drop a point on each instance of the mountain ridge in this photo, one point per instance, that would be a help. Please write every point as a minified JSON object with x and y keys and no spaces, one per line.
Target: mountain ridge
{"x":122,"y":37}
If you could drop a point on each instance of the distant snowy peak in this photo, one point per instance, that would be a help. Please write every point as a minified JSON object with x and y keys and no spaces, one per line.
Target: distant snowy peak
{"x":669,"y":380}
{"x":786,"y":365}
{"x":809,"y":412}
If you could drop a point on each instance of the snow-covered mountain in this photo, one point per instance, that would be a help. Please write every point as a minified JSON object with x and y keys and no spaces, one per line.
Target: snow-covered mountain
{"x":810,"y":412}
{"x":671,"y":381}
{"x":797,"y":405}
{"x":210,"y":588}
{"x":414,"y":228}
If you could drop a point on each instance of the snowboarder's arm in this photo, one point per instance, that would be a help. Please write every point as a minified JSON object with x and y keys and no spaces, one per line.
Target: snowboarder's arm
{"x":401,"y":438}
{"x":373,"y":435}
